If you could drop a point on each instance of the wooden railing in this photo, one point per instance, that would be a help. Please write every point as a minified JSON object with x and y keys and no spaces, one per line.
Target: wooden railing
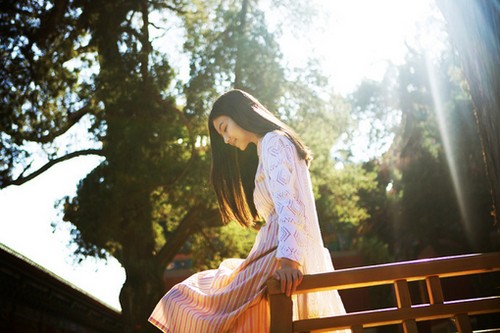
{"x":432,"y":271}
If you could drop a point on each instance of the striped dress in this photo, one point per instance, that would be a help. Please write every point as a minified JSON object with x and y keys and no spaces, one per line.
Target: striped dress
{"x":232,"y":298}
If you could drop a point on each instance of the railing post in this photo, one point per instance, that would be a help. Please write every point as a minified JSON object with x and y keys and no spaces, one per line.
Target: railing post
{"x":434,"y":289}
{"x":281,"y":308}
{"x":463,"y":323}
{"x":404,"y":301}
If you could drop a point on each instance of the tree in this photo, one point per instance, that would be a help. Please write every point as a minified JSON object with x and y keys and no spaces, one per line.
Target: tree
{"x":42,"y":95}
{"x":248,"y":57}
{"x":141,"y":203}
{"x":437,"y":194}
{"x":473,"y":29}
{"x":68,"y":60}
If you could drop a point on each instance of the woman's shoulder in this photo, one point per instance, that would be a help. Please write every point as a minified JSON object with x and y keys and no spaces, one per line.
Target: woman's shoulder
{"x":276,"y":138}
{"x":277,"y":143}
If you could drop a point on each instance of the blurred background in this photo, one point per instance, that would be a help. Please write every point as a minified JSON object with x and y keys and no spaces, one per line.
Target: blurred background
{"x":104,"y":146}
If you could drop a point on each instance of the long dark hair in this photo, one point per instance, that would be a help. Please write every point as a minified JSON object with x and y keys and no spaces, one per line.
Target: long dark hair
{"x":233,"y":171}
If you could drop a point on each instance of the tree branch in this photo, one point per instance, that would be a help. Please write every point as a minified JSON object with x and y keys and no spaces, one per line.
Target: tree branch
{"x":146,"y":45}
{"x":23,"y":179}
{"x":163,"y":5}
{"x":155,"y":26}
{"x":132,"y":32}
{"x":50,"y":21}
{"x":180,"y":235}
{"x":73,"y":118}
{"x":86,"y":49}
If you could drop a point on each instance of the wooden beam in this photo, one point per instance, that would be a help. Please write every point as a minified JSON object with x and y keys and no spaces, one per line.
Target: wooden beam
{"x":410,"y":270}
{"x":392,"y":316}
{"x":357,"y":329}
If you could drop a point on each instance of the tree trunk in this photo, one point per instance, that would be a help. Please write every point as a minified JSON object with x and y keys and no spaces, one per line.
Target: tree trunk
{"x":138,"y":297}
{"x":473,"y":27}
{"x":240,"y":45}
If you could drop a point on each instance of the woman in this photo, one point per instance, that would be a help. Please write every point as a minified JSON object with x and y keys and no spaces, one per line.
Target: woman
{"x":259,"y":172}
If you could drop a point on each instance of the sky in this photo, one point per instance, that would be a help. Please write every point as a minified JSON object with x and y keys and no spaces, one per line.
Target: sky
{"x":356,"y":41}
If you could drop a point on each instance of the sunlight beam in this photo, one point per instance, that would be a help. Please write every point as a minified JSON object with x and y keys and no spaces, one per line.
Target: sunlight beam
{"x":449,"y":150}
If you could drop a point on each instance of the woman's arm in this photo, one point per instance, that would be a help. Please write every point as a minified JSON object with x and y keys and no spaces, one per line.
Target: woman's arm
{"x":280,"y":162}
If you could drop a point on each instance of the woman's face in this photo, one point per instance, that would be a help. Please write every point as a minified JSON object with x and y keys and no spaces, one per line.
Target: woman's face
{"x":233,"y":134}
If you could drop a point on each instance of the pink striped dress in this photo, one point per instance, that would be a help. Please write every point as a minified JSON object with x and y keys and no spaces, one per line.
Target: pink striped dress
{"x":232,"y":298}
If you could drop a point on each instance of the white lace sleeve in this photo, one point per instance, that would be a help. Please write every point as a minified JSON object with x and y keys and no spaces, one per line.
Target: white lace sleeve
{"x":280,"y":162}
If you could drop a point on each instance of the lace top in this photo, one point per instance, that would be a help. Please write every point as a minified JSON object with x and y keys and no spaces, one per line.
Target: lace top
{"x":283,"y":196}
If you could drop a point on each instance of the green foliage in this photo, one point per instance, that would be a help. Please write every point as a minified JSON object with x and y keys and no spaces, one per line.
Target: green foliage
{"x":437,"y":197}
{"x":230,"y":46}
{"x":212,"y":245}
{"x":339,"y":204}
{"x":347,"y":184}
{"x":63,"y":60}
{"x":230,"y":49}
{"x":374,"y":250}
{"x":445,"y":187}
{"x":375,"y":106}
{"x":42,"y":94}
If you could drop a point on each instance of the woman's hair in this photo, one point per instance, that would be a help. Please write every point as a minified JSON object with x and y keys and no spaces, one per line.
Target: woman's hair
{"x":233,"y":171}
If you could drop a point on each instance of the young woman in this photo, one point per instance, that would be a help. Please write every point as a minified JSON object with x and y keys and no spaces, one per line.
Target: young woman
{"x":259,"y":173}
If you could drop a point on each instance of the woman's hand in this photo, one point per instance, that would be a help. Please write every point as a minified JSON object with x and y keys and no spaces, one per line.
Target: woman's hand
{"x":289,"y":274}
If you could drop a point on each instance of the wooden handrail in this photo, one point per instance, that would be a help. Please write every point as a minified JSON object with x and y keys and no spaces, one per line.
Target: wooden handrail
{"x":381,"y":317}
{"x":397,"y":274}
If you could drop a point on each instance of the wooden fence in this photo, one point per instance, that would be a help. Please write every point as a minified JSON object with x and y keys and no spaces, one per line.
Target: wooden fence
{"x":431,"y":271}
